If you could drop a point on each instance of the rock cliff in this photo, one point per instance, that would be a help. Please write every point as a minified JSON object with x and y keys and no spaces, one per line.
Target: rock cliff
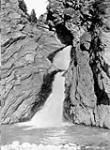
{"x":28,"y":50}
{"x":25,"y":81}
{"x":88,"y":78}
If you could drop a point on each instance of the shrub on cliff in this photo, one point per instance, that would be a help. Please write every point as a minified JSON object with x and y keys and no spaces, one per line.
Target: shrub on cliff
{"x":33,"y":17}
{"x":22,"y":6}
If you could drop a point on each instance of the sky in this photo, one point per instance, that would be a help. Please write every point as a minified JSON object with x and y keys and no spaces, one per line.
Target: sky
{"x":38,"y":5}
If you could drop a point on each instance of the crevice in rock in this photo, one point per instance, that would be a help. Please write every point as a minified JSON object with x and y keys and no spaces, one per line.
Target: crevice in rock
{"x":102,"y":97}
{"x":11,"y":41}
{"x":95,"y":49}
{"x":64,"y":34}
{"x":73,"y":56}
{"x":67,"y":104}
{"x":96,"y":66}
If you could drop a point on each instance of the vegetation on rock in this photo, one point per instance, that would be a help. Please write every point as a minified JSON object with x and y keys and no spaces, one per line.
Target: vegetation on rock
{"x":33,"y":17}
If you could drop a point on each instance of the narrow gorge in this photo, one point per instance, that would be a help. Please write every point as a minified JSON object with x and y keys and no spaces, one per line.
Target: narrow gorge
{"x":69,"y":45}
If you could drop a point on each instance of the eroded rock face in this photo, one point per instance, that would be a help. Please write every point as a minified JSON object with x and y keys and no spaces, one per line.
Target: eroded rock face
{"x":88,"y":77}
{"x":25,"y":65}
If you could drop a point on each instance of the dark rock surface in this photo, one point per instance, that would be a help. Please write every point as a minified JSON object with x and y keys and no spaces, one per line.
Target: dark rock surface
{"x":27,"y":51}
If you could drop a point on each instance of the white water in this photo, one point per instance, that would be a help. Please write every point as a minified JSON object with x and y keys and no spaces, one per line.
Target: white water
{"x":51,"y":113}
{"x":62,"y":59}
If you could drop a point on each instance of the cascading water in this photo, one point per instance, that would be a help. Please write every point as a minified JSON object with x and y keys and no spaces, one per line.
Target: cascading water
{"x":51,"y":115}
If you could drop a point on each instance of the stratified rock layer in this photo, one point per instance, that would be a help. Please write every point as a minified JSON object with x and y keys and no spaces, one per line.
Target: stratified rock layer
{"x":25,"y":49}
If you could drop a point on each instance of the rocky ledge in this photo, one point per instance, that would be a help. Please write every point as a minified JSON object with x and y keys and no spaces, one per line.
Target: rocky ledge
{"x":27,"y":51}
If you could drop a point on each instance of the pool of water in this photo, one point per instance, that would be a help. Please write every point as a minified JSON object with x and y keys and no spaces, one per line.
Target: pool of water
{"x":80,"y":135}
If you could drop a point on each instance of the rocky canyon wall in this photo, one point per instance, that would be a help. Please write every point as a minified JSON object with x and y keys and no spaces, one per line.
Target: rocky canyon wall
{"x":27,"y":52}
{"x":25,"y":82}
{"x":88,"y":78}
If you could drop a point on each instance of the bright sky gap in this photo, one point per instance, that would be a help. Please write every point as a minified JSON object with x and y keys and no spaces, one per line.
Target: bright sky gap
{"x":38,"y":5}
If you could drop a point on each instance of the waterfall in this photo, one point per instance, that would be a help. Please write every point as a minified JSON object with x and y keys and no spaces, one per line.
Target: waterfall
{"x":51,"y":115}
